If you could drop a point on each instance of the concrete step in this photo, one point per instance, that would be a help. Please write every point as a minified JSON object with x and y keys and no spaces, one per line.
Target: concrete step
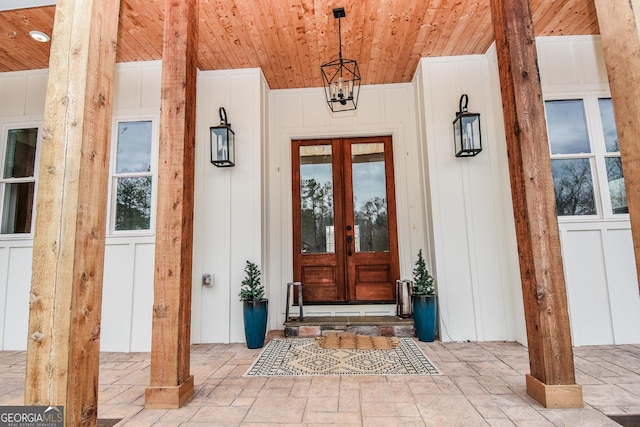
{"x":360,"y":325}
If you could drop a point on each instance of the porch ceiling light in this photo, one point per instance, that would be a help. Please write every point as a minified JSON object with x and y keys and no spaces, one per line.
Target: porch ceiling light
{"x":39,"y":36}
{"x":341,"y":77}
{"x":466,"y":131}
{"x":223,"y":147}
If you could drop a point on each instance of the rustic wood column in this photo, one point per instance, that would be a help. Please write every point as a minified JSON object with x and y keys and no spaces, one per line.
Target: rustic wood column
{"x":171,"y":383}
{"x":552,"y":378}
{"x":618,"y":21}
{"x":63,"y":349}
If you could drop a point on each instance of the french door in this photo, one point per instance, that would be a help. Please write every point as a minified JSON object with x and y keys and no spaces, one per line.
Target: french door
{"x":344,"y":220}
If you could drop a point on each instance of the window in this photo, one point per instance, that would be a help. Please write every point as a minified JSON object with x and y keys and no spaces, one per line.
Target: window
{"x":615,"y":178}
{"x":132,"y":176}
{"x":18,"y":180}
{"x":585,"y":158}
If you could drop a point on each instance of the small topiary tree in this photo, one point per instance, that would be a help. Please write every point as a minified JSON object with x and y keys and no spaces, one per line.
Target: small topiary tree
{"x":251,"y":289}
{"x":422,"y":280}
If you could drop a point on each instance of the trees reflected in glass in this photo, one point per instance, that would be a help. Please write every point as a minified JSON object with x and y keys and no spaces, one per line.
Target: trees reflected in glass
{"x":572,"y":179}
{"x":133,"y":204}
{"x":583,"y":160}
{"x":316,"y":199}
{"x":369,"y":198}
{"x":316,"y":214}
{"x":573,"y":187}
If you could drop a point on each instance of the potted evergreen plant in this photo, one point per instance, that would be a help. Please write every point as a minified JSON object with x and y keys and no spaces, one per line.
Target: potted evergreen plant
{"x":425,"y":307}
{"x":255,"y":306}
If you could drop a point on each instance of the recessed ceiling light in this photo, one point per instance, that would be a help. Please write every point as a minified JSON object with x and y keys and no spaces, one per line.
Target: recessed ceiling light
{"x":39,"y":36}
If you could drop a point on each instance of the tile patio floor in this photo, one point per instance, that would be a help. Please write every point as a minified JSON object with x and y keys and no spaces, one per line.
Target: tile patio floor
{"x":482,"y":384}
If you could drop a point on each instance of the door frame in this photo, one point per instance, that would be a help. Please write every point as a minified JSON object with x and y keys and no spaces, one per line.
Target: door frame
{"x":345,"y":269}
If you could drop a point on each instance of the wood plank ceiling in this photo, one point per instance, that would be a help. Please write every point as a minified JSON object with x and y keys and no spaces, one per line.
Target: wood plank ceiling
{"x":290,"y":39}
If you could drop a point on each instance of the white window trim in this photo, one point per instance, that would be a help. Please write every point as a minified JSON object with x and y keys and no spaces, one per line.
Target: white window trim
{"x":155,"y":134}
{"x":596,"y":157}
{"x":36,"y":170}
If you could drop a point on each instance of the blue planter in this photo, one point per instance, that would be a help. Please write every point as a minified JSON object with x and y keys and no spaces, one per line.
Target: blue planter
{"x":425,"y":316}
{"x":255,"y":322}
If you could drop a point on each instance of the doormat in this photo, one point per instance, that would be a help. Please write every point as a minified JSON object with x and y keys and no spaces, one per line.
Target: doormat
{"x":350,"y":340}
{"x":302,"y":357}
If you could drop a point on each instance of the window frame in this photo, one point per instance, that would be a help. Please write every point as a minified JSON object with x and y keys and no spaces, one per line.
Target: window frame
{"x":6,"y":127}
{"x":598,"y":153}
{"x":113,"y":175}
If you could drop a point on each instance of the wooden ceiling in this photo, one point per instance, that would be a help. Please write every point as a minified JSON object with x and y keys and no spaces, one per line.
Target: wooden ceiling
{"x":290,"y":39}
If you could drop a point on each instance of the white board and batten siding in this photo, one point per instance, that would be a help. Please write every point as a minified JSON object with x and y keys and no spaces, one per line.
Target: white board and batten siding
{"x":22,"y":106}
{"x":304,"y":114}
{"x":473,"y":249}
{"x":599,"y":263}
{"x":228,"y":217}
{"x":127,"y":293}
{"x":128,"y":273}
{"x":458,"y":210}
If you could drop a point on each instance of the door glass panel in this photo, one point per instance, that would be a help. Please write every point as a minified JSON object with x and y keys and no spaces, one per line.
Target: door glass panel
{"x":316,"y":199}
{"x":369,"y":198}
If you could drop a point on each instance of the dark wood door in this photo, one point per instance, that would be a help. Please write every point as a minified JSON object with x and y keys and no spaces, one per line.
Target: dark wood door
{"x":344,"y":220}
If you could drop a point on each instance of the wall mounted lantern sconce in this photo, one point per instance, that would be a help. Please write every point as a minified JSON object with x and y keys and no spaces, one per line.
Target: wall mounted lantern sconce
{"x":341,"y":77}
{"x":223,"y":147}
{"x":466,"y":131}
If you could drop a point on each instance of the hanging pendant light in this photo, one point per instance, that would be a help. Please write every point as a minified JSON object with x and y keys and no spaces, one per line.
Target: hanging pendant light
{"x":341,"y":77}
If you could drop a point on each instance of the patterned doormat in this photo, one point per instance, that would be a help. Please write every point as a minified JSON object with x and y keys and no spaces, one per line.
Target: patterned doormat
{"x":303,"y":357}
{"x":350,"y":340}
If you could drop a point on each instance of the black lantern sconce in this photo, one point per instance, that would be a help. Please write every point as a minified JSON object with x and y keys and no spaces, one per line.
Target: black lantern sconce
{"x":341,"y":77}
{"x":223,"y":147}
{"x":466,"y":131}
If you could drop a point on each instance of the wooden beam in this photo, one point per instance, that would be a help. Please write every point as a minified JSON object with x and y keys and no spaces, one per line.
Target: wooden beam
{"x":620,"y":35}
{"x":63,"y":349}
{"x":171,"y":383}
{"x":541,"y":269}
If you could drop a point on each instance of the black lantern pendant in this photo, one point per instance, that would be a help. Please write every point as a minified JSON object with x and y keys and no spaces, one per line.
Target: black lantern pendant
{"x":223,"y":148}
{"x":341,"y":77}
{"x":466,"y":131}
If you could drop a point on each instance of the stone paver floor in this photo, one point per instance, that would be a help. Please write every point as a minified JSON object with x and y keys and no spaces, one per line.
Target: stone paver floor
{"x":483,"y":384}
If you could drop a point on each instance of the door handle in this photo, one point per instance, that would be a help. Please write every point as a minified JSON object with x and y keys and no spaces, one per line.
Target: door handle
{"x":349,"y":240}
